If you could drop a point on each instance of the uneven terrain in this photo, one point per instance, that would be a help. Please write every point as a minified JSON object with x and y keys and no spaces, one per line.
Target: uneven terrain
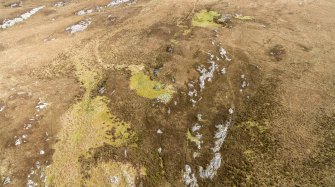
{"x":167,"y":93}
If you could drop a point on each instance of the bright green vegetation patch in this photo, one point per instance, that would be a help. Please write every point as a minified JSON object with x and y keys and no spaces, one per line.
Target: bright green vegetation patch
{"x":205,"y":19}
{"x":192,"y":138}
{"x":150,"y":89}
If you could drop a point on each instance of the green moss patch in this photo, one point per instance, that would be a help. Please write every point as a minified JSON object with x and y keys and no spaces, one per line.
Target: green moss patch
{"x":150,"y":89}
{"x":205,"y":19}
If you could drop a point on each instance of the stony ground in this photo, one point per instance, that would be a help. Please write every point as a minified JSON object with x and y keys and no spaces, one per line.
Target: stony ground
{"x":167,"y":93}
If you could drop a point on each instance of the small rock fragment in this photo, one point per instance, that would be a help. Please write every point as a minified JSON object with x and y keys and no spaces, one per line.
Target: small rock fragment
{"x":2,"y":108}
{"x":59,"y":4}
{"x":18,"y":142}
{"x":42,"y":152}
{"x":223,"y":54}
{"x":199,"y":117}
{"x":118,"y":2}
{"x":231,"y":111}
{"x":7,"y":180}
{"x":114,"y":179}
{"x":223,"y":71}
{"x":189,"y":178}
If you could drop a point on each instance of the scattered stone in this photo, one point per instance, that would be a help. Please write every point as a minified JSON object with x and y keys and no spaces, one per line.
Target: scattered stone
{"x":59,"y":4}
{"x":155,"y":71}
{"x":196,"y":127}
{"x":277,"y":52}
{"x":231,"y":111}
{"x":196,"y":155}
{"x":220,"y":136}
{"x":6,"y":181}
{"x":169,"y":49}
{"x":2,"y":108}
{"x":211,"y":169}
{"x":223,"y":71}
{"x":224,"y":53}
{"x":244,"y":83}
{"x":225,"y":20}
{"x":11,"y":22}
{"x":114,"y":180}
{"x":15,"y":5}
{"x":193,"y":102}
{"x":31,"y":183}
{"x":79,"y":27}
{"x":118,"y":2}
{"x":42,"y":152}
{"x":99,"y":8}
{"x":84,"y":12}
{"x":27,"y":126}
{"x":189,"y":178}
{"x":18,"y":142}
{"x":41,"y":105}
{"x":206,"y":74}
{"x":192,"y":92}
{"x":102,"y":90}
{"x":199,"y":117}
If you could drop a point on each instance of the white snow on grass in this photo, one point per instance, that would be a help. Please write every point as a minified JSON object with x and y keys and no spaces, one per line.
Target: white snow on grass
{"x":21,"y":18}
{"x":79,"y":27}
